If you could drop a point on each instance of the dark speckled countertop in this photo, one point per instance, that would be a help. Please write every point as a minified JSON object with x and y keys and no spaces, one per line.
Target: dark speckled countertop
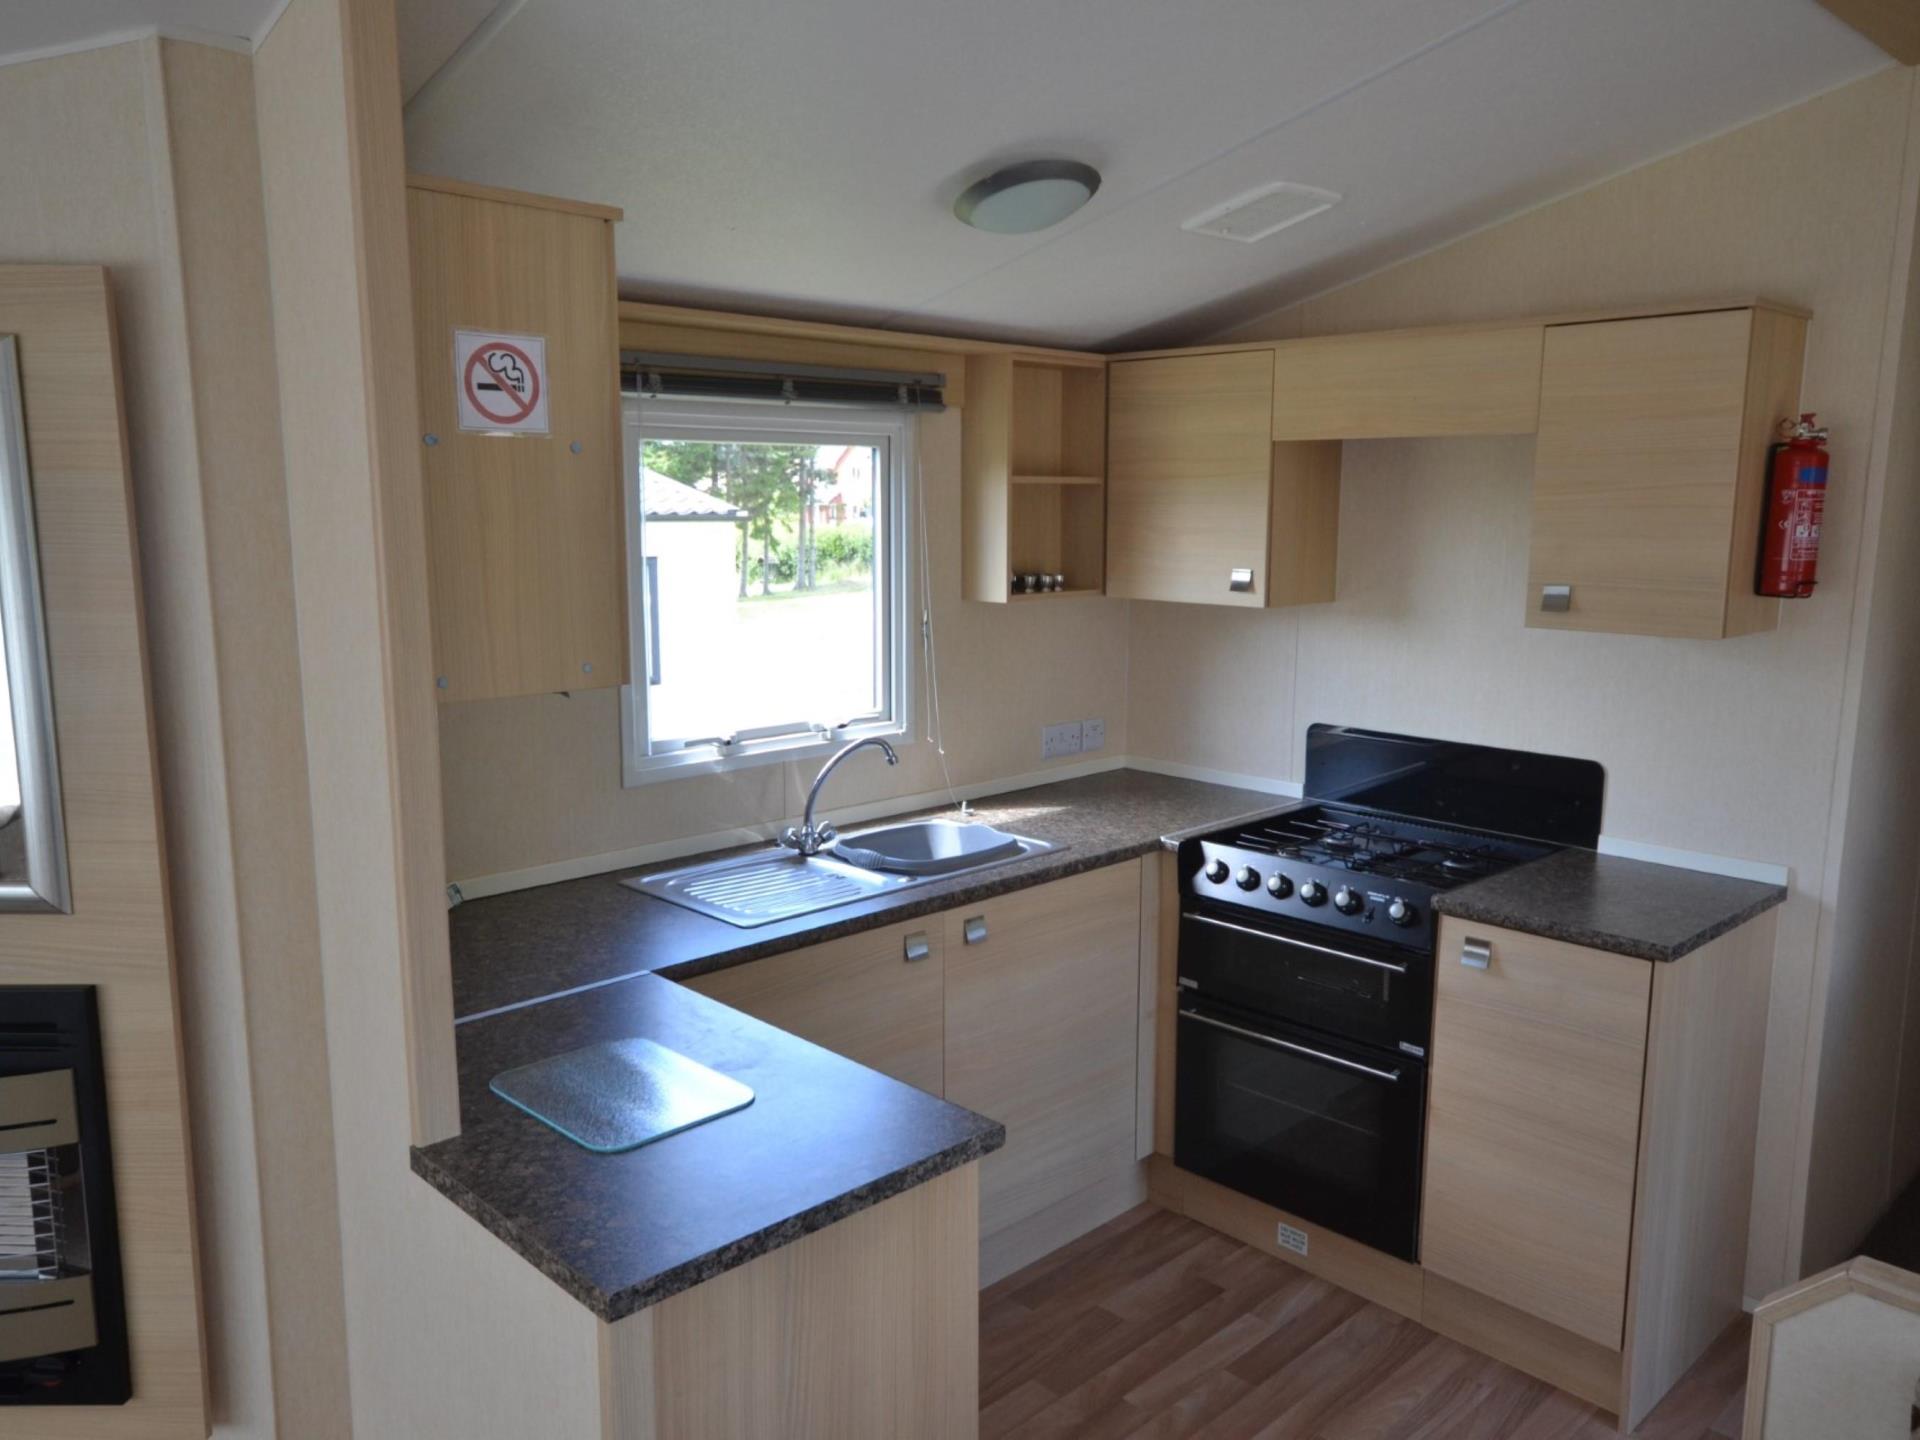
{"x":541,"y":972}
{"x":514,"y":948}
{"x":1607,"y":902}
{"x":823,"y":1139}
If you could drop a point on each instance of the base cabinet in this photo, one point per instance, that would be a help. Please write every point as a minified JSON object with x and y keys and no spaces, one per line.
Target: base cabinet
{"x":876,"y":997}
{"x":1042,"y":1010}
{"x":866,"y":1330}
{"x":1024,"y":1007}
{"x":1532,"y":1123}
{"x":1590,"y":1131}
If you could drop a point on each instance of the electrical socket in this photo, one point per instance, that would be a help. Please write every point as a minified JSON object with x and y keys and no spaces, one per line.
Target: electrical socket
{"x":1093,"y":734}
{"x":1058,"y":740}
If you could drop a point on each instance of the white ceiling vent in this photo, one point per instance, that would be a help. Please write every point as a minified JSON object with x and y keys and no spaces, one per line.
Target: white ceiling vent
{"x":1259,"y":213}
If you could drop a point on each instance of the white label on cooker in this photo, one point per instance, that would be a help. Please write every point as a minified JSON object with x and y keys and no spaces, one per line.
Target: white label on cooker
{"x":1292,"y":1239}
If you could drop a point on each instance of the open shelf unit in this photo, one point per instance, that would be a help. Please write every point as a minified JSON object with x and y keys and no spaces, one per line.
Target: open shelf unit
{"x":1034,"y":462}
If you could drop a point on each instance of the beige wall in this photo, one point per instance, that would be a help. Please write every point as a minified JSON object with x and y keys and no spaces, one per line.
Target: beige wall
{"x":536,"y":781}
{"x":1865,"y":1145}
{"x":1724,"y":747}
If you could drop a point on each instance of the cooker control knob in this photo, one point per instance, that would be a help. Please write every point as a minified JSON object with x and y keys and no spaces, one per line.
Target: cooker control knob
{"x":1279,"y":886}
{"x":1400,"y":912}
{"x":1248,"y":878}
{"x":1312,"y":892}
{"x":1217,"y":871}
{"x":1348,"y":901}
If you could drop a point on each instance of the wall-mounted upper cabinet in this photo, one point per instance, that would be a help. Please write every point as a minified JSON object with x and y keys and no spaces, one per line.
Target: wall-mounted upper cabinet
{"x":1650,"y":471}
{"x":1034,"y":465}
{"x":1407,"y":383}
{"x":1203,"y":506}
{"x":525,"y":531}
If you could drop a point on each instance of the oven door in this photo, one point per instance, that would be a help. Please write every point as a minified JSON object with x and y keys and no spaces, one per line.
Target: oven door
{"x":1356,"y":986}
{"x":1327,"y":1130}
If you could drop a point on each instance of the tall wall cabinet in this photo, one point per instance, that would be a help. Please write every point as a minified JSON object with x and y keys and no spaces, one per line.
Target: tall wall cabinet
{"x":525,"y":533}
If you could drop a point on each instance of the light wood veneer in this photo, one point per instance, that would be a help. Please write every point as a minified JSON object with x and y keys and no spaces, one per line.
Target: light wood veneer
{"x":859,"y":997}
{"x":1533,"y":1123}
{"x":526,"y":539}
{"x":1407,"y":382}
{"x":866,"y":1330}
{"x":118,"y":936}
{"x":1650,"y":470}
{"x":1033,"y":469}
{"x":1197,"y":489}
{"x":1041,"y":1017}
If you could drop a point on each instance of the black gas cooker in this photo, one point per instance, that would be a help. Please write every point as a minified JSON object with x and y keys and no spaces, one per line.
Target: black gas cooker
{"x":1307,"y":959}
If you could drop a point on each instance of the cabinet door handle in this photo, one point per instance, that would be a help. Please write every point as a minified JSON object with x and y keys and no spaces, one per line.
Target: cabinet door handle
{"x":975,"y":929}
{"x":1240,"y":579}
{"x":917,"y":946}
{"x":1556,"y":599}
{"x":1476,"y":954}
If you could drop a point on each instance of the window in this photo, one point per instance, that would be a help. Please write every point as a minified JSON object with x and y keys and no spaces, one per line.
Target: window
{"x":766,"y":581}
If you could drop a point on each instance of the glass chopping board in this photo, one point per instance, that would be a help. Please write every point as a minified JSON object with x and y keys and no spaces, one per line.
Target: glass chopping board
{"x":620,"y":1094}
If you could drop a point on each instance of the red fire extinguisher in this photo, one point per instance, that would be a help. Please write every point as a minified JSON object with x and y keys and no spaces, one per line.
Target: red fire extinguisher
{"x":1796,"y":497}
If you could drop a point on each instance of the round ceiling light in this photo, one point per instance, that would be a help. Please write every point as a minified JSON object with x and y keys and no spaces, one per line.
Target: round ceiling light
{"x":1032,"y":195}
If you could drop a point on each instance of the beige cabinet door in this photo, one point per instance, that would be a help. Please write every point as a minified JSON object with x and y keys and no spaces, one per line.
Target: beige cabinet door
{"x":1189,"y":476}
{"x":1649,"y":473}
{"x":1411,"y":382}
{"x":876,"y":997}
{"x":1042,"y":1005}
{"x":1533,"y":1124}
{"x":526,"y":535}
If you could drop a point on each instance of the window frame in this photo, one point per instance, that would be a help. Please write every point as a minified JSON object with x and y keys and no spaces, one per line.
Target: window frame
{"x":763,"y":422}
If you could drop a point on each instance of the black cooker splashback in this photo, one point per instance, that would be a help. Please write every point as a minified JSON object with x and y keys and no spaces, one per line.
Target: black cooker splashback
{"x":1478,"y":787}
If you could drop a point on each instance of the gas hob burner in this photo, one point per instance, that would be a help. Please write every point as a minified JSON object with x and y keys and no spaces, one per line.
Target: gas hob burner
{"x":1384,"y":847}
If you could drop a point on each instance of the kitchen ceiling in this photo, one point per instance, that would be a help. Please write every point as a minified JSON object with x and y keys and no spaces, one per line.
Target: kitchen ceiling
{"x":32,"y":28}
{"x":802,"y":156}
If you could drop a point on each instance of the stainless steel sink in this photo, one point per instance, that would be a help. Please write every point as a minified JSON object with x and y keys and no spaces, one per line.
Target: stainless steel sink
{"x":932,"y":847}
{"x":770,"y":885}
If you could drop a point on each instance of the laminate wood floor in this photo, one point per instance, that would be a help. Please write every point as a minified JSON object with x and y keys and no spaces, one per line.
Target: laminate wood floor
{"x":1155,"y":1325}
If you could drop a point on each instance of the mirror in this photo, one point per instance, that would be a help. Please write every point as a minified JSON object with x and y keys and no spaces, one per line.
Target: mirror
{"x":33,"y":847}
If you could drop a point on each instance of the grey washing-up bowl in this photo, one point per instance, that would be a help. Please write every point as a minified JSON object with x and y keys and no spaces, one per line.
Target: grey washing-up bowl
{"x":933,"y":847}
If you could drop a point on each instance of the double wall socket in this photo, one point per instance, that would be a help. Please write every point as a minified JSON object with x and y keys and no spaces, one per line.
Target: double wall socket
{"x":1072,"y":738}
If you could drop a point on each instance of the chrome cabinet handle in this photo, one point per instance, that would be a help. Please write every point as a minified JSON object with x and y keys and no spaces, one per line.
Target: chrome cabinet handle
{"x":1289,"y":940}
{"x":975,"y":929}
{"x":1240,"y":579}
{"x":917,"y":946}
{"x":1275,"y":1040}
{"x":1556,"y":599}
{"x":1476,"y":954}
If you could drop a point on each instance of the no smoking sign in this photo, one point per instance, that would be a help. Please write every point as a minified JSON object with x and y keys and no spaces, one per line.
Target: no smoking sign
{"x":500,"y":382}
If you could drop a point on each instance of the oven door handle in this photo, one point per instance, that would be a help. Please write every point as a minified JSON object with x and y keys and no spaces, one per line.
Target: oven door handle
{"x":1392,"y":1076}
{"x":1289,"y":940}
